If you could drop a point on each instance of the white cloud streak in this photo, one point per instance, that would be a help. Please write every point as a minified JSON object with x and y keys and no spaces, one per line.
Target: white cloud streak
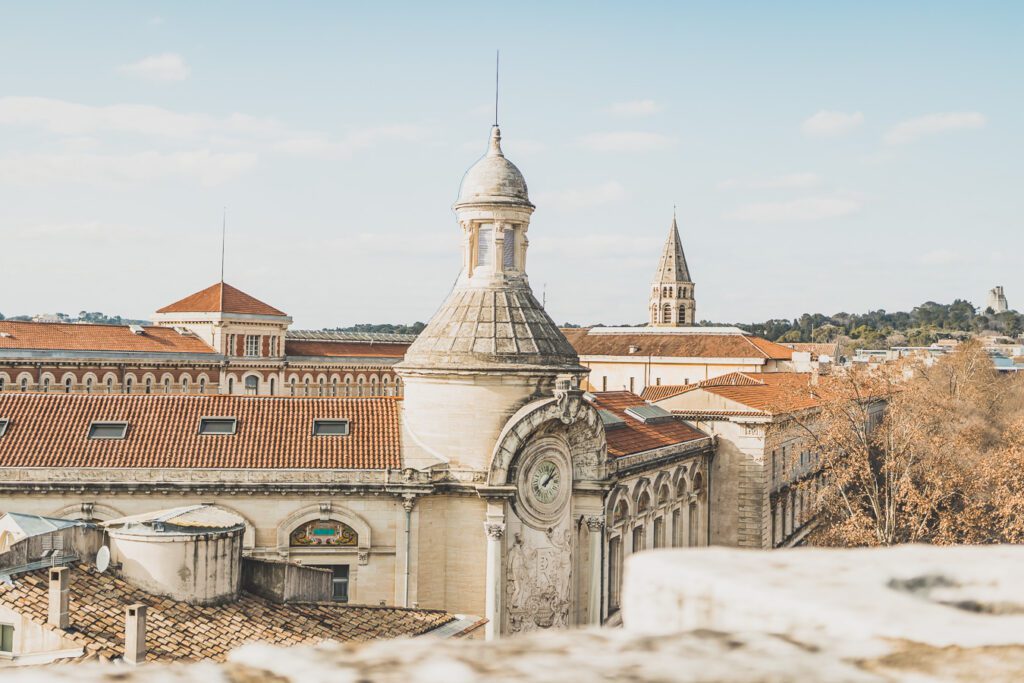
{"x":626,"y":141}
{"x":635,"y":108}
{"x":582,"y":197}
{"x":797,"y":210}
{"x":168,"y":66}
{"x":779,"y":182}
{"x":832,"y":123}
{"x":208,"y":167}
{"x":932,"y":124}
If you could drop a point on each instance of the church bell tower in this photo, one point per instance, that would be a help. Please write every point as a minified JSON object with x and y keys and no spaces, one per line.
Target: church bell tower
{"x":672,"y":301}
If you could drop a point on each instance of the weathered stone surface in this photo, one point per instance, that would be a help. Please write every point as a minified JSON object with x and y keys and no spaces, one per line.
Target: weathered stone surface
{"x":913,"y":614}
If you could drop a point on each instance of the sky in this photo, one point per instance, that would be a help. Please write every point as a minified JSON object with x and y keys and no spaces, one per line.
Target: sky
{"x":822,"y":156}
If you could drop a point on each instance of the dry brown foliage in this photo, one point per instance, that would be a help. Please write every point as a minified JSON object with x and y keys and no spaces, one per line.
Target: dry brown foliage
{"x":917,"y":453}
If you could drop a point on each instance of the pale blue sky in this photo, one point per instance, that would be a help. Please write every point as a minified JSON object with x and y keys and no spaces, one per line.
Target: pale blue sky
{"x":824,"y":156}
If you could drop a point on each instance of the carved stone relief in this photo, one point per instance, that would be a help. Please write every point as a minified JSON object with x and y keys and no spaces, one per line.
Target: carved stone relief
{"x":538,"y":578}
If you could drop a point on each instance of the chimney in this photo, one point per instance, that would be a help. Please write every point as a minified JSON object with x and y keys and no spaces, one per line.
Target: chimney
{"x":58,"y":611}
{"x":135,"y":634}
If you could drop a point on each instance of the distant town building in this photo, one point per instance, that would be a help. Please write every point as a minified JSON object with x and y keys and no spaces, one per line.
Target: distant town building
{"x":672,"y":301}
{"x":997,"y":300}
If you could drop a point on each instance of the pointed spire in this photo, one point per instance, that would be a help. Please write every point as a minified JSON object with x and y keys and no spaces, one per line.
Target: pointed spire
{"x":672,"y":266}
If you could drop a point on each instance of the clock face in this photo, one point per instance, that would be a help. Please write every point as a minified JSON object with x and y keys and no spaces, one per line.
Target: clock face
{"x":546,"y":481}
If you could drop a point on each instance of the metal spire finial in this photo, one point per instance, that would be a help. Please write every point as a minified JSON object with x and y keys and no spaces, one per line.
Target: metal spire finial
{"x":223,"y":240}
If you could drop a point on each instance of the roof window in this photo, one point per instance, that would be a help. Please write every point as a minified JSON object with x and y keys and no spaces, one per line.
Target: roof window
{"x":3,"y":425}
{"x":218,"y":425}
{"x":330,"y":428}
{"x":610,"y":419}
{"x":108,"y":430}
{"x":649,"y":414}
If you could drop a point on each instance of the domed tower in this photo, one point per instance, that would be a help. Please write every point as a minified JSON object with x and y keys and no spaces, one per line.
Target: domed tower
{"x":491,"y":347}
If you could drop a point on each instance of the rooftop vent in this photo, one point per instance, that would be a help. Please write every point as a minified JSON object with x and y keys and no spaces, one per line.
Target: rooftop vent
{"x":137,"y":329}
{"x":609,"y":419}
{"x":5,"y":335}
{"x":183,"y":331}
{"x":633,"y":348}
{"x":649,"y":414}
{"x":218,"y":425}
{"x":589,"y":397}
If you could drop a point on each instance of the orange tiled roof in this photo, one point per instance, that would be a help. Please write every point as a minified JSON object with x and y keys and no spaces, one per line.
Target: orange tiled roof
{"x":770,"y":392}
{"x":50,"y":430}
{"x":635,"y":436}
{"x":176,"y":630}
{"x":221,"y":298}
{"x":74,"y":337}
{"x":660,"y":392}
{"x":675,"y":345}
{"x":344,"y":348}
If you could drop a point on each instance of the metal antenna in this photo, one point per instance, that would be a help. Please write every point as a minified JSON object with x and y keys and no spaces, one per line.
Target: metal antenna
{"x":223,"y":239}
{"x":497,"y":73}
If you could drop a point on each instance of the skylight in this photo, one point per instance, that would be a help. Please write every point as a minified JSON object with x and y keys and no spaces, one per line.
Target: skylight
{"x":3,"y":425}
{"x":610,"y":419}
{"x":649,"y":414}
{"x":330,"y":427}
{"x":108,"y":430}
{"x":218,"y":425}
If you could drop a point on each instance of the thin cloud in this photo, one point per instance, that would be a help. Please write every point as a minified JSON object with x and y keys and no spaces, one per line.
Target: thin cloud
{"x":779,"y":182}
{"x":626,"y":141}
{"x":205,"y":166}
{"x":797,"y":210}
{"x":932,"y":124}
{"x":322,"y":147}
{"x":832,"y":123}
{"x":582,"y":197}
{"x":940,"y":257}
{"x":164,"y":67}
{"x":635,"y":108}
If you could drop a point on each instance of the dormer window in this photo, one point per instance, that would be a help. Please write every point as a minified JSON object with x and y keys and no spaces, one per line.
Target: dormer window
{"x":330,"y":428}
{"x":99,"y":431}
{"x":218,"y":425}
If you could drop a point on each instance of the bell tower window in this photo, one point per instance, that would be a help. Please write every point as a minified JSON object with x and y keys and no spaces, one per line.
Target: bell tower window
{"x":508,"y":254}
{"x":484,"y":247}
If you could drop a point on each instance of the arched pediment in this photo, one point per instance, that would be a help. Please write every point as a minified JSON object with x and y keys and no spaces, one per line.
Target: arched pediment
{"x":323,"y":512}
{"x":569,"y":415}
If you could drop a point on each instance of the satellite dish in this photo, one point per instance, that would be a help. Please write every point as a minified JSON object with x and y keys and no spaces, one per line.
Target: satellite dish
{"x":102,"y":559}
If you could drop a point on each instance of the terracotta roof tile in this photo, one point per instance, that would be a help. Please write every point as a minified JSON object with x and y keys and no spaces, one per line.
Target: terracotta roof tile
{"x":675,"y":345}
{"x":660,"y":392}
{"x":769,"y":393}
{"x":221,"y":298}
{"x":634,"y":436}
{"x":344,"y":349}
{"x":75,"y":337}
{"x":50,"y":430}
{"x":176,"y":630}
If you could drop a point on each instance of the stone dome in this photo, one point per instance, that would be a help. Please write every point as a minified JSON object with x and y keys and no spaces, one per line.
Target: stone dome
{"x":494,"y":179}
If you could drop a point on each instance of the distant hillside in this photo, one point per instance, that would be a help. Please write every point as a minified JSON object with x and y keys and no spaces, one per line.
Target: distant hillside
{"x":94,"y":317}
{"x":390,"y":328}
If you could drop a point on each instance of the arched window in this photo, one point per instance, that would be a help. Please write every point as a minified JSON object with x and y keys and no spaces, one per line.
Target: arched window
{"x":666,"y":313}
{"x":231,"y":385}
{"x":682,"y":314}
{"x":272,"y":386}
{"x":322,"y":388}
{"x":621,"y":512}
{"x":149,"y":385}
{"x":184,"y":385}
{"x":643,"y":503}
{"x":252,"y":384}
{"x":694,"y":524}
{"x":110,"y":385}
{"x":348,"y":385}
{"x":359,"y":385}
{"x":3,"y":381}
{"x":386,"y":382}
{"x":614,"y":572}
{"x":128,"y":382}
{"x":291,"y":386}
{"x":24,"y":383}
{"x":202,"y":385}
{"x":46,"y":384}
{"x":88,"y":385}
{"x":307,"y":386}
{"x":334,"y":386}
{"x":373,"y":385}
{"x":324,"y":533}
{"x":67,"y":385}
{"x":167,"y":385}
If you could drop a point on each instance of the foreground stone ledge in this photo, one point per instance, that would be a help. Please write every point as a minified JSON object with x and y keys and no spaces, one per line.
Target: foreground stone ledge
{"x":912,"y":614}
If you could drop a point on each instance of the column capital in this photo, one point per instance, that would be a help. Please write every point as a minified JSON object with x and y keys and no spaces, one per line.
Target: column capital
{"x":595,"y":523}
{"x":494,"y":530}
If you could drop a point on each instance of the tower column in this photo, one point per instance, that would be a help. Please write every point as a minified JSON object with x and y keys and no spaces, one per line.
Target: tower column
{"x":494,"y":527}
{"x":595,"y":527}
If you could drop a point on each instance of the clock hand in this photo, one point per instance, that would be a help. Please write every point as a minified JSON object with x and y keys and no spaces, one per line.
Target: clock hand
{"x":551,"y":475}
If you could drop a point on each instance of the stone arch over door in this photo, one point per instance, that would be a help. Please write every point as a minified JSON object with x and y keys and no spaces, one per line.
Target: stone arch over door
{"x":324,"y":511}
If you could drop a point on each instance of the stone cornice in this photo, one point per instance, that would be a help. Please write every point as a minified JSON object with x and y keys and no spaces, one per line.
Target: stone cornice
{"x":630,"y":464}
